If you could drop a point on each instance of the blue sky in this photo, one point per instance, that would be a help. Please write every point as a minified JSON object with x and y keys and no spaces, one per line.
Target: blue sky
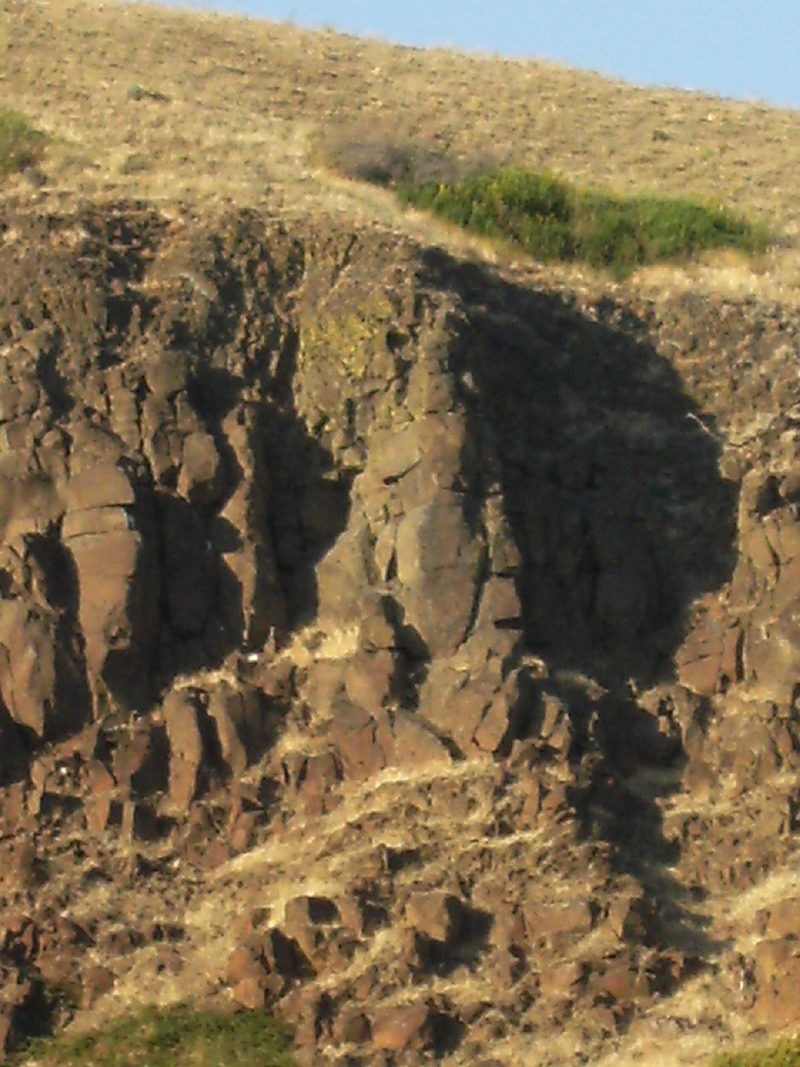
{"x":743,"y":48}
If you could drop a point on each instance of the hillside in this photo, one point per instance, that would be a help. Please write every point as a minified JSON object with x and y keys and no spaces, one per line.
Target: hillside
{"x":394,"y":631}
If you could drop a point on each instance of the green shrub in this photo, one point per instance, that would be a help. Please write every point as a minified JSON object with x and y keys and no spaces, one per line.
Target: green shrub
{"x":550,"y":219}
{"x":785,"y":1054}
{"x":178,"y":1036}
{"x":20,"y":144}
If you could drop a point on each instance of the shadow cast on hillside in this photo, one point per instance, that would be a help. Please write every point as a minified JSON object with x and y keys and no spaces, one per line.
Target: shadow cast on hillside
{"x":609,"y":477}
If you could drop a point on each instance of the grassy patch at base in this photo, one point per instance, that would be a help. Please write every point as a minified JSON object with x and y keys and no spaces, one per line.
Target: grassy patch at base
{"x":785,"y":1054}
{"x":178,"y":1036}
{"x":550,"y":219}
{"x":20,"y":144}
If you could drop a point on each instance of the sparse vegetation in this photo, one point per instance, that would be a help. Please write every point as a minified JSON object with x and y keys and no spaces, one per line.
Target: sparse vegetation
{"x":384,"y":155}
{"x":178,"y":1036}
{"x":785,"y":1054}
{"x":20,"y":144}
{"x":550,"y":219}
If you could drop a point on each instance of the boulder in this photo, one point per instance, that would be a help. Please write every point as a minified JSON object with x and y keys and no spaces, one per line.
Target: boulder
{"x":397,"y":1028}
{"x":183,"y":713}
{"x":436,"y":914}
{"x":201,"y":480}
{"x":439,"y":562}
{"x":28,"y":665}
{"x":239,"y":716}
{"x":107,"y":531}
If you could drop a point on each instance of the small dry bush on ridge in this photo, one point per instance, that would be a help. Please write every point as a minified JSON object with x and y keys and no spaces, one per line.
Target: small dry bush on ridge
{"x":21,"y":145}
{"x":382,"y":154}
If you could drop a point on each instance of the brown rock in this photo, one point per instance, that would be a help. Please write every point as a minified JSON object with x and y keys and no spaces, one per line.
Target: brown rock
{"x":344,"y":575}
{"x":28,"y":667}
{"x":561,"y":979}
{"x":352,"y":1026}
{"x":473,"y":708}
{"x":363,"y":740}
{"x":101,"y":809}
{"x":773,"y":957}
{"x":438,"y":564}
{"x":13,"y":812}
{"x":556,"y":724}
{"x":141,"y":760}
{"x":619,"y":979}
{"x":437,"y":914}
{"x":308,"y":921}
{"x":248,"y":976}
{"x":361,"y":915}
{"x":368,"y":678}
{"x":167,"y":372}
{"x":285,"y":957}
{"x":250,"y":993}
{"x":397,"y":1028}
{"x":376,"y":632}
{"x":182,"y":712}
{"x":239,"y":717}
{"x":781,"y":920}
{"x":415,"y":742}
{"x":202,"y":475}
{"x":709,"y":658}
{"x":20,"y":865}
{"x":324,"y":683}
{"x":98,"y":778}
{"x":115,"y":570}
{"x":771,"y":659}
{"x":572,"y":919}
{"x":318,"y":774}
{"x":627,"y":917}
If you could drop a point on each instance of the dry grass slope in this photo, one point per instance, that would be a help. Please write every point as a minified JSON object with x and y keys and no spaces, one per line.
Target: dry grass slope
{"x":201,"y":109}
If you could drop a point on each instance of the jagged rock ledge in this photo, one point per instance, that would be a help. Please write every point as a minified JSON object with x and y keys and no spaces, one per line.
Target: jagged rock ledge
{"x":292,"y":519}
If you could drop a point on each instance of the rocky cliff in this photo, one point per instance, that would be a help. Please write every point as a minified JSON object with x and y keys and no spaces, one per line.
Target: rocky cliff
{"x":392,"y":640}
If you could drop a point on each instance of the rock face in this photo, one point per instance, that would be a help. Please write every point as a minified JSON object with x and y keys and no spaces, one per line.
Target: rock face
{"x":421,"y":627}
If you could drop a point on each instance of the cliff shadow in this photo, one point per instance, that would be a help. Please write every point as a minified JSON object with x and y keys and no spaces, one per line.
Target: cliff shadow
{"x":610,"y":484}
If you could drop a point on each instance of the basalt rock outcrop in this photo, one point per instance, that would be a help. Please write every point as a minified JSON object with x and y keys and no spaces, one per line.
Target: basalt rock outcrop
{"x":389,"y":641}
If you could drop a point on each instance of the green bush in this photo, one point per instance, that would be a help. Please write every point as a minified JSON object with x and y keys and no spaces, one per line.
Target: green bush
{"x":178,"y":1036}
{"x":550,"y":219}
{"x":20,"y":144}
{"x":785,"y":1054}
